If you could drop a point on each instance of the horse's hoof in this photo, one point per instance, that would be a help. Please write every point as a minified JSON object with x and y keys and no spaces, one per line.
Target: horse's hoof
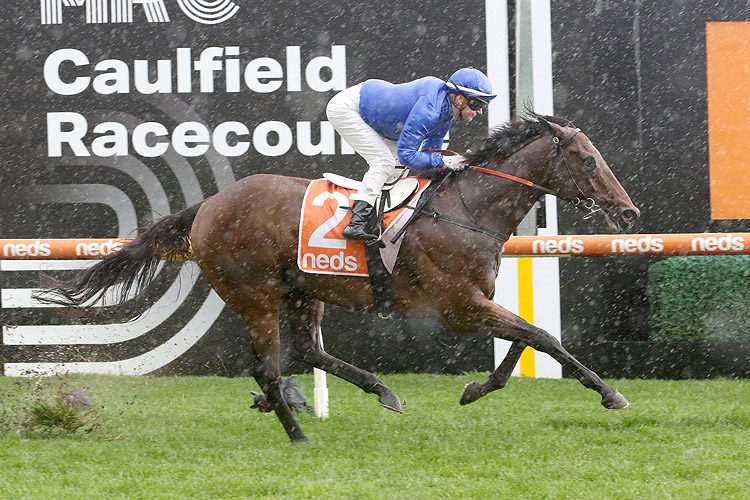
{"x":391,"y":401}
{"x":298,"y":437}
{"x":472,"y":392}
{"x":616,"y":401}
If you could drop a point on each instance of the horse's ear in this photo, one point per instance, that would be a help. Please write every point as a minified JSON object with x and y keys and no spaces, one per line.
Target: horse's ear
{"x":546,"y":125}
{"x":549,"y":127}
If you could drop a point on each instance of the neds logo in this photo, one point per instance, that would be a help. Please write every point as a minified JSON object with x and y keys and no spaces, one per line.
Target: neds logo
{"x":34,"y":249}
{"x":121,"y":11}
{"x":632,"y":245}
{"x":563,"y":246}
{"x":323,"y":262}
{"x":721,"y":243}
{"x":95,"y":249}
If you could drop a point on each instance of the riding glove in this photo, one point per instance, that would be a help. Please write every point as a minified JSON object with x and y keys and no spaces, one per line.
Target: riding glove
{"x":455,"y":163}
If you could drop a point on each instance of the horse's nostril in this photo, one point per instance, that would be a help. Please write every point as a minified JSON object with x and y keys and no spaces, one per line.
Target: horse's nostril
{"x":629,"y":215}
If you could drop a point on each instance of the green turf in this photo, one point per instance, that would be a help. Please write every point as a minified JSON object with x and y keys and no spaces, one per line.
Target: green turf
{"x":197,"y":438}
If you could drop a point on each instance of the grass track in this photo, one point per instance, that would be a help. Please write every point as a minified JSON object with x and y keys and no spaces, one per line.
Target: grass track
{"x":196,"y":438}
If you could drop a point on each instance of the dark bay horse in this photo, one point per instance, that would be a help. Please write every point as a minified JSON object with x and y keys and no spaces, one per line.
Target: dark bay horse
{"x":245,"y":241}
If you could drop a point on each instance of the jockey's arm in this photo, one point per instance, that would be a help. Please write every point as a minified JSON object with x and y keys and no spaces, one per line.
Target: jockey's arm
{"x":419,"y":134}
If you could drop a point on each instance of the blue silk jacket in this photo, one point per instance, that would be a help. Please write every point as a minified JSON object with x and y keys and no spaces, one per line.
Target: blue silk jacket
{"x":416,"y":114}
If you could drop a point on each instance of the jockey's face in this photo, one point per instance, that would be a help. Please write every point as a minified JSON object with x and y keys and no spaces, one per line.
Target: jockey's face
{"x":461,"y":109}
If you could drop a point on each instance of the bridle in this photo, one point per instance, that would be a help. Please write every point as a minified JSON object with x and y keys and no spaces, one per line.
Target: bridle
{"x":581,"y":201}
{"x":585,"y":203}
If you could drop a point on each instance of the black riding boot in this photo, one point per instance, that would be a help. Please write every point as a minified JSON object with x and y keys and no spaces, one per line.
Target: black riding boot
{"x":359,"y":227}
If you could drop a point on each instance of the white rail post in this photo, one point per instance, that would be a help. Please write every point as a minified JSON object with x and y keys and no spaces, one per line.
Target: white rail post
{"x":320,"y":393}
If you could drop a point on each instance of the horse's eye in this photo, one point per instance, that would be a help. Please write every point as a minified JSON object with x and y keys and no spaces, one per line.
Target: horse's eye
{"x":590,"y":162}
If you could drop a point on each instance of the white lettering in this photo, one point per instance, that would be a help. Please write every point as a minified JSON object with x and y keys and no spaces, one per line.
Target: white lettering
{"x":114,"y":144}
{"x":56,"y":137}
{"x":233,"y":69}
{"x":264,"y":68}
{"x":327,"y":144}
{"x":351,"y":263}
{"x":337,"y":262}
{"x":112,"y":11}
{"x":35,"y":249}
{"x":293,"y":67}
{"x":52,"y":72}
{"x":140,"y":139}
{"x":282,"y":131}
{"x":657,"y":245}
{"x":163,"y":83}
{"x":184,"y":80}
{"x":112,"y":82}
{"x":712,"y":243}
{"x":738,"y":243}
{"x":321,"y":261}
{"x":308,"y":261}
{"x":221,"y":144}
{"x":263,"y":74}
{"x":563,"y":246}
{"x":190,"y":139}
{"x":96,"y":249}
{"x":642,"y":245}
{"x":336,"y":63}
{"x":207,"y":65}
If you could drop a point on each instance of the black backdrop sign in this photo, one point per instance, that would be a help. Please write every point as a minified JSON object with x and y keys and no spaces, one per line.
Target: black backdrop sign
{"x":155,"y":105}
{"x":116,"y":113}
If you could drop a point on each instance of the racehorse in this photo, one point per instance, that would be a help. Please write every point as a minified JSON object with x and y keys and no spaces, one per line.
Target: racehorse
{"x":244,"y":239}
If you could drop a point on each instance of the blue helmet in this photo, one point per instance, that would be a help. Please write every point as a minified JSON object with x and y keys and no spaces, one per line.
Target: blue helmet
{"x":472,"y":83}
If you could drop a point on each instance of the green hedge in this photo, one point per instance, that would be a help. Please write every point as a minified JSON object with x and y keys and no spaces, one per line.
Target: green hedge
{"x":700,"y":298}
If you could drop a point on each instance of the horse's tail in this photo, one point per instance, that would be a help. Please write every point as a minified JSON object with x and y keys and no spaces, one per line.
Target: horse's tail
{"x":131,"y":269}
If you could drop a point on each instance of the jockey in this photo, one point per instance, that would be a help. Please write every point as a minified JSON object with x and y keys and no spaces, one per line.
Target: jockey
{"x":391,"y":125}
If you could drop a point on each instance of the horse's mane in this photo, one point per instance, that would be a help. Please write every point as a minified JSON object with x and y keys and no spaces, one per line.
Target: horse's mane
{"x":508,"y":138}
{"x":503,"y":141}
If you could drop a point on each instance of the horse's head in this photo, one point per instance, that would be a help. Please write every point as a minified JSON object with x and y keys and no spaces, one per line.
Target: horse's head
{"x":581,"y":174}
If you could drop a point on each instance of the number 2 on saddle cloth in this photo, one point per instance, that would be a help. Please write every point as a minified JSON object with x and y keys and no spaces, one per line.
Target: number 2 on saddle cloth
{"x":322,"y":248}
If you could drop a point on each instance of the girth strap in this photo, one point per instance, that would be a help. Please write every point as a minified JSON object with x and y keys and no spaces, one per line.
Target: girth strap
{"x":501,"y":237}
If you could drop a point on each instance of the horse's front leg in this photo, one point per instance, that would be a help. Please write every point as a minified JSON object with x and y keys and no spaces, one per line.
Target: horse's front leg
{"x":486,"y":315}
{"x":497,"y":379}
{"x":305,"y":316}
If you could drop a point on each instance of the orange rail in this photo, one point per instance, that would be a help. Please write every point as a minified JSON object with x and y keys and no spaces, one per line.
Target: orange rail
{"x":59,"y":249}
{"x":598,"y":245}
{"x":602,"y":245}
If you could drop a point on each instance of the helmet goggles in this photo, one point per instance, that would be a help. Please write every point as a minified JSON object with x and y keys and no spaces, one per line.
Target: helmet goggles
{"x":475,"y":103}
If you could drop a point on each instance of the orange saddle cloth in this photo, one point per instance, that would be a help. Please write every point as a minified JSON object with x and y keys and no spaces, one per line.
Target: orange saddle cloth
{"x":322,"y":248}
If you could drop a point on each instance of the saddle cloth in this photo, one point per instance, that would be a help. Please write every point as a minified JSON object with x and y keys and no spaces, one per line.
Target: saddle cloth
{"x":323,"y":250}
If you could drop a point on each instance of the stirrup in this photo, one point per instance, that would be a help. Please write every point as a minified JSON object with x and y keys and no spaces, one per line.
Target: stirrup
{"x":365,"y":232}
{"x":379,"y":241}
{"x":364,"y":237}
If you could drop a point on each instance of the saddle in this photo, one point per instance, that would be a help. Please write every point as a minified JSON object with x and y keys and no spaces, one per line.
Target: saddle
{"x":394,"y":195}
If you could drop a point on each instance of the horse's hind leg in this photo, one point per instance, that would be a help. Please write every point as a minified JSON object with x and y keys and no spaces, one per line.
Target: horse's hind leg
{"x":259,"y":308}
{"x":498,"y":378}
{"x":268,"y":376}
{"x":305,"y":314}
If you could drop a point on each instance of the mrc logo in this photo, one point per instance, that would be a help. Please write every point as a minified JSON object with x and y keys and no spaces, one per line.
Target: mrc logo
{"x":121,"y":11}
